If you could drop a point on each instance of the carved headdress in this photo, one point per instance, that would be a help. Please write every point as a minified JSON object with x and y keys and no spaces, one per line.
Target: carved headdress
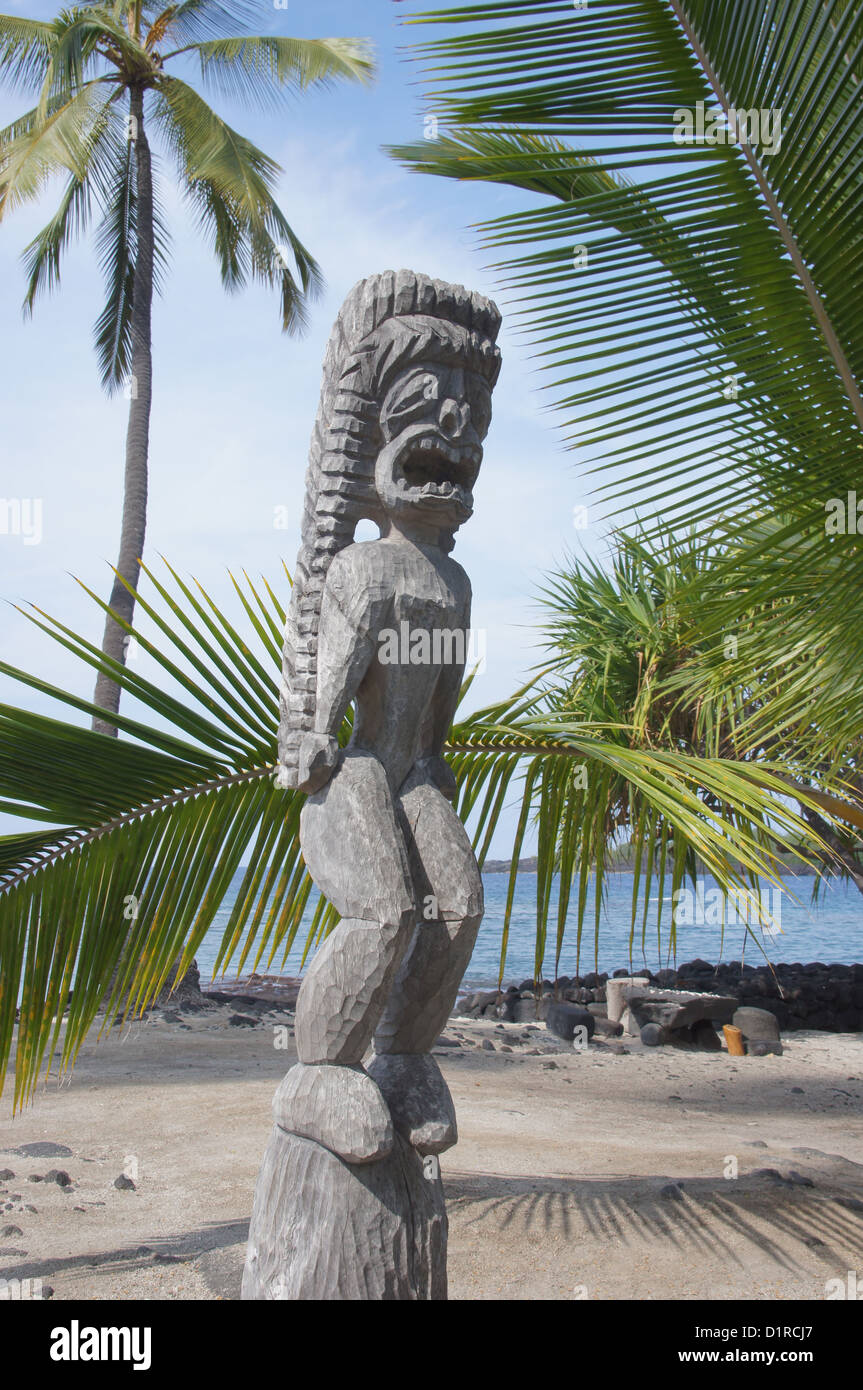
{"x":386,"y":322}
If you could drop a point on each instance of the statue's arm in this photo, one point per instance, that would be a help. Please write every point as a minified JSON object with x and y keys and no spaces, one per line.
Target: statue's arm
{"x":345,"y":652}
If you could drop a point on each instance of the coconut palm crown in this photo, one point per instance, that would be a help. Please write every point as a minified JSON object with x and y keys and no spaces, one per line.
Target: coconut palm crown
{"x":101,"y":75}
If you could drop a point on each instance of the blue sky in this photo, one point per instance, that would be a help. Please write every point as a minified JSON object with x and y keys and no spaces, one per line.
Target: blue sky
{"x":234,"y":399}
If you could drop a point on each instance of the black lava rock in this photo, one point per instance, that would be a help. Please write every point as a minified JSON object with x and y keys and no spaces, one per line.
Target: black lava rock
{"x":43,"y":1149}
{"x":564,"y":1019}
{"x":756,"y":1025}
{"x":653,"y":1035}
{"x":59,"y":1176}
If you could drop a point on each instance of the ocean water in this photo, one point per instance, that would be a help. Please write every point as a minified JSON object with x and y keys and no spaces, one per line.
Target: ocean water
{"x":830,"y":930}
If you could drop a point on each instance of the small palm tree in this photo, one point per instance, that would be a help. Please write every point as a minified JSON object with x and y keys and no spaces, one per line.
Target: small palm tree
{"x":101,"y":74}
{"x":624,"y":641}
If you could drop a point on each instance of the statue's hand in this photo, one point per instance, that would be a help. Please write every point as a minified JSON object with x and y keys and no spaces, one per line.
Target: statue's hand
{"x":319,"y":755}
{"x":439,"y":770}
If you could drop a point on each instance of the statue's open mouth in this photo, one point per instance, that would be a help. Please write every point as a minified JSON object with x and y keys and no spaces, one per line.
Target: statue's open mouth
{"x":434,"y":469}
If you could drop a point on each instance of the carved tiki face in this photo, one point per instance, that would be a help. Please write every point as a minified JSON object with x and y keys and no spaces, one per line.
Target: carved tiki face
{"x":434,"y":417}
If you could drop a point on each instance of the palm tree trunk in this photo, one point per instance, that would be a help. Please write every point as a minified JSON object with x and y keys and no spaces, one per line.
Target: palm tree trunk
{"x":134,"y":524}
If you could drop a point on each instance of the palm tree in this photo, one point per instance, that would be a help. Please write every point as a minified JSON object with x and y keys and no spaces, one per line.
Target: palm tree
{"x":139,"y":838}
{"x":623,"y":642}
{"x":696,"y":306}
{"x":101,"y":75}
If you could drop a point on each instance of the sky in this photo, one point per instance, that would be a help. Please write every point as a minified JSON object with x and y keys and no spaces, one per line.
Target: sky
{"x":235,"y":399}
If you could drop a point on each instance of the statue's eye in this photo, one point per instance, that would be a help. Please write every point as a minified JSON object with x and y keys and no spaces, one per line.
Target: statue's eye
{"x":413,"y":394}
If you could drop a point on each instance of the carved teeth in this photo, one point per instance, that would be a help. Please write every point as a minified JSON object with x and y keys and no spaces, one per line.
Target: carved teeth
{"x":445,"y":489}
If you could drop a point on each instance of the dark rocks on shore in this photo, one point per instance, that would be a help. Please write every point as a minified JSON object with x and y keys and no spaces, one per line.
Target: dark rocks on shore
{"x":756,"y":1025}
{"x":59,"y":1176}
{"x":43,"y":1148}
{"x":186,"y":995}
{"x":604,"y":1028}
{"x":827,"y":998}
{"x":256,"y":993}
{"x":524,"y":1010}
{"x":760,"y":1030}
{"x":653,"y":1035}
{"x":564,"y":1019}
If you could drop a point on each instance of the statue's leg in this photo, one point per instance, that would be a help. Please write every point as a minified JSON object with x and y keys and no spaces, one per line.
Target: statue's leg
{"x":344,"y":1207}
{"x":355,"y":852}
{"x":449,"y":890}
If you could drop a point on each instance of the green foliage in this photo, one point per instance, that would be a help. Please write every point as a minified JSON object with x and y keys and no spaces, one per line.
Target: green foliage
{"x":82,"y":67}
{"x":696,"y":308}
{"x":139,"y":836}
{"x":701,"y":265}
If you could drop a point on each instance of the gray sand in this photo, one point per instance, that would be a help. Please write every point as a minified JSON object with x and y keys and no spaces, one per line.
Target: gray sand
{"x":562,"y":1184}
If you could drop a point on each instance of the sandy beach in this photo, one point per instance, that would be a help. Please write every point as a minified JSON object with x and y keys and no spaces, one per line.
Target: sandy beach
{"x":606,"y":1174}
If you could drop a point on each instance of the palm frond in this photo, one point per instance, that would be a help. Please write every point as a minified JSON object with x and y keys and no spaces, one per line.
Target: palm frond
{"x":116,"y":247}
{"x":680,"y":288}
{"x":146,"y":831}
{"x":696,"y":317}
{"x":37,"y":148}
{"x":197,"y":21}
{"x":265,"y":71}
{"x":583,"y":781}
{"x":116,"y":243}
{"x":42,"y":257}
{"x":232,"y":185}
{"x":25,"y":46}
{"x":81,"y":39}
{"x":713,"y":268}
{"x":142,"y":835}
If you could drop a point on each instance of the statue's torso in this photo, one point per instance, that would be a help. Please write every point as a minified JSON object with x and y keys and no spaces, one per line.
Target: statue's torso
{"x":414,"y":605}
